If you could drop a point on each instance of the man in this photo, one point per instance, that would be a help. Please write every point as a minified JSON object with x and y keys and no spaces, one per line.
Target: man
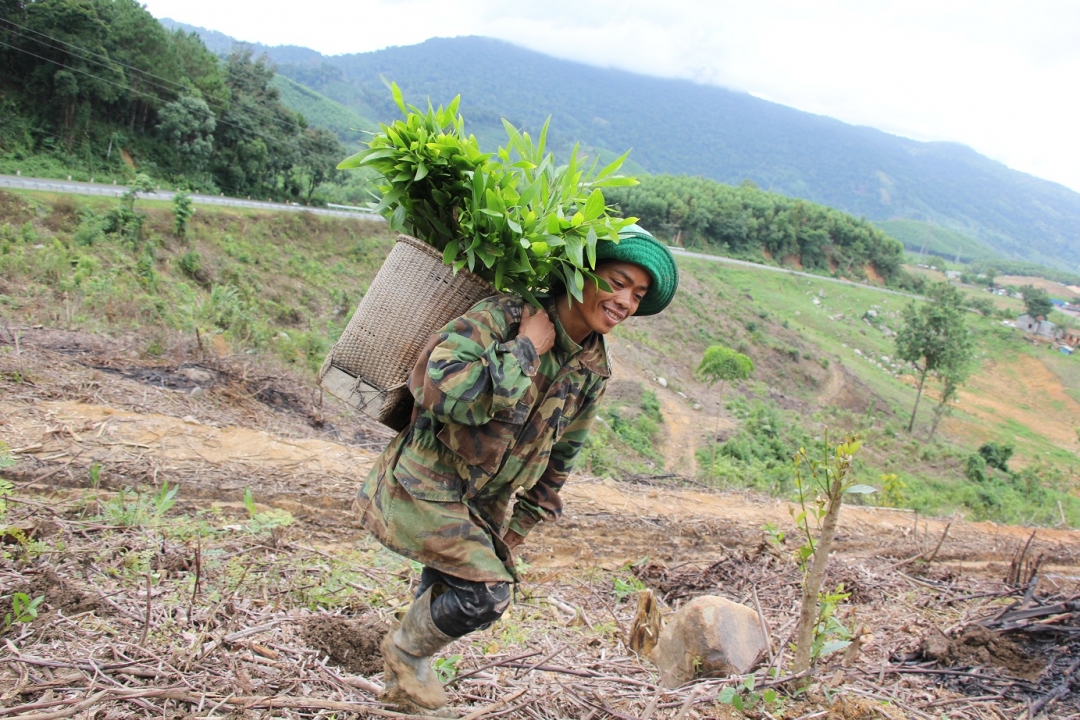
{"x":505,"y":398}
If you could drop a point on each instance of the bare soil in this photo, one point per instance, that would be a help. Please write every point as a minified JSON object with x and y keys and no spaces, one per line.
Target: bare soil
{"x":1055,"y":289}
{"x":88,"y":416}
{"x":351,"y":643}
{"x":1020,"y":389}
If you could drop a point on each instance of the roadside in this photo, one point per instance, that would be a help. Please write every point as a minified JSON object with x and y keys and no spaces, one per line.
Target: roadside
{"x":99,"y":189}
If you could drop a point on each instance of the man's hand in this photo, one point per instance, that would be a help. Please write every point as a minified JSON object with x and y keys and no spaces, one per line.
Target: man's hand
{"x":512,"y":539}
{"x":536,"y":325}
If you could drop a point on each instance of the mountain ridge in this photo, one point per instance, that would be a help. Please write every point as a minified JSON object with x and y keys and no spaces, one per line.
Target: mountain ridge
{"x":688,"y":128}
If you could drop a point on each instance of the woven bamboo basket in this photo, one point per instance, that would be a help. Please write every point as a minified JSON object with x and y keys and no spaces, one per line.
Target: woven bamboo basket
{"x":412,"y":296}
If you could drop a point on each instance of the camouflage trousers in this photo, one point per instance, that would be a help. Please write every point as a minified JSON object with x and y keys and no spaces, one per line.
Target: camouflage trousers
{"x":460,"y":606}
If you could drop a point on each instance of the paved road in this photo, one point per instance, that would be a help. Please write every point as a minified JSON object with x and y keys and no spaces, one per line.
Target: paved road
{"x":758,"y":266}
{"x":83,"y":188}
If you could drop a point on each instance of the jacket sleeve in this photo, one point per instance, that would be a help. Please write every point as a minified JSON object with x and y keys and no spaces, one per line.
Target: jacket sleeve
{"x":542,"y":501}
{"x":474,"y":371}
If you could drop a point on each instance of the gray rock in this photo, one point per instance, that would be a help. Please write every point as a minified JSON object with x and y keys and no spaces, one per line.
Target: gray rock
{"x":709,"y":636}
{"x":197,"y":375}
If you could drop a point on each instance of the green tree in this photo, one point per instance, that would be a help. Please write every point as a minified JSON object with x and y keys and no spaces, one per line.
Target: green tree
{"x":320,"y":153}
{"x":187,"y":123}
{"x":934,"y":338}
{"x":257,"y":137}
{"x":1036,"y":301}
{"x":723,"y":365}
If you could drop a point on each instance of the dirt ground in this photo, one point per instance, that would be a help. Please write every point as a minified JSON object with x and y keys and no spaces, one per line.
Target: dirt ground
{"x":81,"y":411}
{"x":1055,"y":289}
{"x":69,"y":412}
{"x":1019,"y":389}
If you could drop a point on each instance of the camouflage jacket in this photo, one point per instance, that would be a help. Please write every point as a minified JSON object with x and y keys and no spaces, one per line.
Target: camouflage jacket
{"x":492,"y":420}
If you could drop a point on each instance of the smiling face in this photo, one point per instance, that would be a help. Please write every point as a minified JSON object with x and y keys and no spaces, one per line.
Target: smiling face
{"x":600,"y":311}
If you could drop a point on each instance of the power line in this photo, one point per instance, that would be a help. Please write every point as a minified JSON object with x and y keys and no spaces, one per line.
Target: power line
{"x":178,"y":87}
{"x":132,"y":90}
{"x":86,"y":51}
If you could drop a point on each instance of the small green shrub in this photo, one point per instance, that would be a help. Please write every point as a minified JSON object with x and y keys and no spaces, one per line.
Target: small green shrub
{"x":997,"y":454}
{"x":975,"y":468}
{"x":190,"y":264}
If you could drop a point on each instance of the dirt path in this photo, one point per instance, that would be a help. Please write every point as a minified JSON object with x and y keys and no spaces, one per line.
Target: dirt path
{"x":685,"y":429}
{"x":834,"y":385}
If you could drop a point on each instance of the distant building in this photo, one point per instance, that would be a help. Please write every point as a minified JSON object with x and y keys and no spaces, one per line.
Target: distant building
{"x":1037,"y":327}
{"x":1071,"y":337}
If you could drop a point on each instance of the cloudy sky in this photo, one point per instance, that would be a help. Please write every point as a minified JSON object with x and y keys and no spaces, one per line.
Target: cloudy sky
{"x":1002,"y":76}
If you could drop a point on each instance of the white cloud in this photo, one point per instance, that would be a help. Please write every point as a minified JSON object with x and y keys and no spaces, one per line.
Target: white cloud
{"x":997,"y":75}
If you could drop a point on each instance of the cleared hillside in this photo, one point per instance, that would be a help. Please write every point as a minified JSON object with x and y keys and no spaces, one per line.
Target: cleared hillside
{"x":282,"y":286}
{"x":174,"y":489}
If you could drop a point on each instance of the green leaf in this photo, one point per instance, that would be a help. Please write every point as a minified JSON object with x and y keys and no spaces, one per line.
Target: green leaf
{"x":594,"y":206}
{"x":574,"y":250}
{"x":590,"y":250}
{"x":737,"y":702}
{"x":399,"y":99}
{"x":421,"y":172}
{"x":554,"y":227}
{"x":450,"y":252}
{"x":861,"y":490}
{"x":494,"y":201}
{"x":530,"y":192}
{"x":613,"y":166}
{"x":397,"y":220}
{"x":478,"y":186}
{"x":769,"y":696}
{"x":617,"y":181}
{"x":726,"y":695}
{"x":832,"y":646}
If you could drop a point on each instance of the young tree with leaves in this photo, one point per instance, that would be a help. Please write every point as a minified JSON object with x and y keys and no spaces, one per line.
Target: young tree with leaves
{"x":934,"y":338}
{"x":721,"y":364}
{"x":183,"y":211}
{"x":821,"y":486}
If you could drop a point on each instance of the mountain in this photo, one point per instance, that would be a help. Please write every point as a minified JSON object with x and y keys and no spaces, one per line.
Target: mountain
{"x":321,"y":111}
{"x":676,"y":126}
{"x":925,"y":238}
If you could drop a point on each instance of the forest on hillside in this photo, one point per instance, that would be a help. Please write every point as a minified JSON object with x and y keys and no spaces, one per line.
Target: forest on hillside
{"x":99,"y":88}
{"x":745,"y":221}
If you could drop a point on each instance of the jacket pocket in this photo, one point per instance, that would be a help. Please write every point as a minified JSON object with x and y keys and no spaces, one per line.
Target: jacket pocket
{"x":485,"y":446}
{"x":428,"y":478}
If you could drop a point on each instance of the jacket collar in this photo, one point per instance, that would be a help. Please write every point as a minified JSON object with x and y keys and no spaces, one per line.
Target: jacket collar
{"x":592,"y":354}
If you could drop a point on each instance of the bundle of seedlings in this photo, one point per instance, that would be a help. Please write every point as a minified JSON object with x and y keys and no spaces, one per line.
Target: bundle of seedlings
{"x":472,"y":224}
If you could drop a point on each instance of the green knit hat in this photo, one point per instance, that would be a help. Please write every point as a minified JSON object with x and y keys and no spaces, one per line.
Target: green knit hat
{"x":637,"y":246}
